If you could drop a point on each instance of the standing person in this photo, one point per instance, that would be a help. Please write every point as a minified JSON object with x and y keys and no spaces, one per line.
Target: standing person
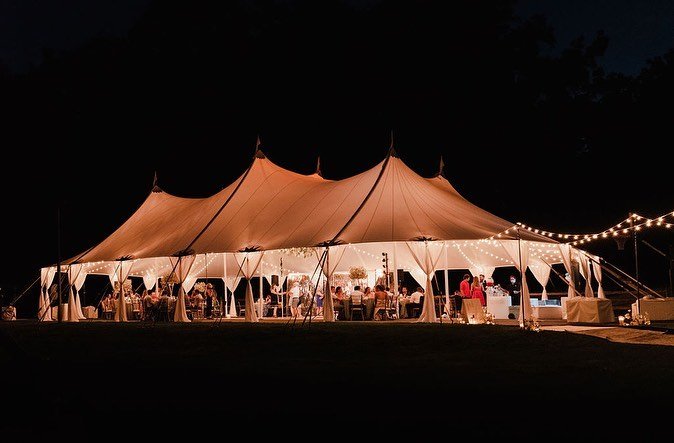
{"x":513,"y":287}
{"x":277,"y":290}
{"x":295,"y":299}
{"x":211,"y":295}
{"x":483,"y":283}
{"x":476,"y":290}
{"x":319,"y":302}
{"x":464,"y":287}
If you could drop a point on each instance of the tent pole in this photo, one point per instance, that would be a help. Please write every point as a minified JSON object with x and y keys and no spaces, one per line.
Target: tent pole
{"x":224,"y":273}
{"x":522,"y":274}
{"x":280,"y":277}
{"x":446,"y":274}
{"x":395,"y":278}
{"x":58,"y":260}
{"x":636,"y":256}
{"x":260,"y":301}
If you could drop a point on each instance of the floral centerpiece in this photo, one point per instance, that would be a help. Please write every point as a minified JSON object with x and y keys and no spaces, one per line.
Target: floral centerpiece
{"x":634,"y":320}
{"x":200,"y":287}
{"x":357,"y":273}
{"x":531,"y":325}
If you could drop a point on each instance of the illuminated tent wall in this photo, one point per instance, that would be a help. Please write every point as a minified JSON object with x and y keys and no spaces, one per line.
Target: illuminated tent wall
{"x":423,"y":223}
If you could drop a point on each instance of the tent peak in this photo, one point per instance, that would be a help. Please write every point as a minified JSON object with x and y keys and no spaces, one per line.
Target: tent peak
{"x":391,"y":150}
{"x":441,"y":168}
{"x":318,"y":167}
{"x":258,"y":152}
{"x":155,"y":184}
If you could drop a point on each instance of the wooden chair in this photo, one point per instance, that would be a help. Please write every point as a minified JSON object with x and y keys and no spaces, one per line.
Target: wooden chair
{"x":357,"y":306}
{"x":107,"y":311}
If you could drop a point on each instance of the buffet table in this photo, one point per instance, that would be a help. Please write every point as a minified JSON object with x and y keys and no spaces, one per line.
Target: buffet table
{"x":657,"y":308}
{"x":498,"y":306}
{"x":547,"y":312}
{"x":589,"y":310}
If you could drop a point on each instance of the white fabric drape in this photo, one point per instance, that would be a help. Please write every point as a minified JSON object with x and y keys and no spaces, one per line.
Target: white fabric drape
{"x":541,"y":271}
{"x":123,"y":270}
{"x":584,"y":262}
{"x":74,"y":272}
{"x":150,"y":280}
{"x":249,"y":262}
{"x":79,"y":283}
{"x":189,"y":283}
{"x":596,"y":268}
{"x":231,"y":283}
{"x":46,"y":278}
{"x":232,"y":306}
{"x":426,"y":255}
{"x":182,"y":266}
{"x":329,"y":267}
{"x":565,"y":252}
{"x":519,"y":252}
{"x":419,"y":276}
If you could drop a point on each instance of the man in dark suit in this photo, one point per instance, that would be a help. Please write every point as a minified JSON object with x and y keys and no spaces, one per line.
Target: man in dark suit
{"x":513,"y":287}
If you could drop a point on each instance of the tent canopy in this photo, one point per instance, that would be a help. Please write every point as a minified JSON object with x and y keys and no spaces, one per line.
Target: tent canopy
{"x":271,"y":208}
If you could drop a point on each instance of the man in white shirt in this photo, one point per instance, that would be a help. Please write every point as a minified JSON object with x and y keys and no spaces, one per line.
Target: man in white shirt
{"x":416,"y":295}
{"x":356,"y":295}
{"x":415,"y":300}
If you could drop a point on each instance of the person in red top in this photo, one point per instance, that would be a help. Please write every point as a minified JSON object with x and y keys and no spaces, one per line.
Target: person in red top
{"x":476,"y":290}
{"x":464,"y":287}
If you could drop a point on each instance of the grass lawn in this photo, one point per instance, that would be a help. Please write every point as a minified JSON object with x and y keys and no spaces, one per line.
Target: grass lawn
{"x":334,"y":379}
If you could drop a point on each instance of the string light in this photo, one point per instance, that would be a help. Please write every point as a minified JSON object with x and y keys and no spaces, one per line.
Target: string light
{"x":613,"y":231}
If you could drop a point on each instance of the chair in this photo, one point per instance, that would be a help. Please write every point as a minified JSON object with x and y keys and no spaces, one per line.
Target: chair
{"x":198,"y":312}
{"x":418,"y":307}
{"x":241,"y":309}
{"x":381,"y":310}
{"x":163,"y":309}
{"x":107,"y":311}
{"x":357,"y":306}
{"x":135,"y":309}
{"x":450,"y":308}
{"x":216,"y":313}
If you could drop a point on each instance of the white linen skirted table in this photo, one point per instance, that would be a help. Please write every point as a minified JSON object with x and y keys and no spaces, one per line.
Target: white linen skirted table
{"x":498,"y":306}
{"x":589,"y":310}
{"x":657,"y":308}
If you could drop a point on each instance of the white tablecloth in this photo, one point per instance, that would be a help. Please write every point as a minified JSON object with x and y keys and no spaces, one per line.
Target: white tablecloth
{"x":657,"y":308}
{"x":589,"y":310}
{"x":547,"y":312}
{"x":498,"y":306}
{"x":90,"y":312}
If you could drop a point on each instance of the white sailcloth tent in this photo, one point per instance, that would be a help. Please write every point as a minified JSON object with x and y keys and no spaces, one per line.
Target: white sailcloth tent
{"x":269,"y":213}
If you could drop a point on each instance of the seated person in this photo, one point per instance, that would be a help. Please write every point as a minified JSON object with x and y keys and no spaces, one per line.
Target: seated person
{"x":271,"y":302}
{"x":380,"y":300}
{"x":415,"y":300}
{"x":357,"y":296}
{"x":403,"y":300}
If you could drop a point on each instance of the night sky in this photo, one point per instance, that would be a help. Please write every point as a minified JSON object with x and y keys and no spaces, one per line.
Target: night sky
{"x":99,"y":95}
